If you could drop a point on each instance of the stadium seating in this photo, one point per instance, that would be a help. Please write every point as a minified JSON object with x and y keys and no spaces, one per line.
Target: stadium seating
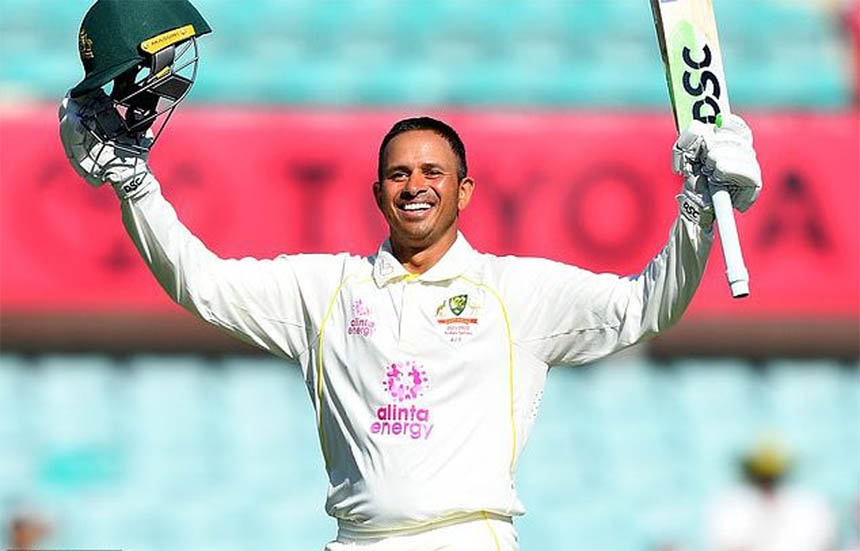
{"x":187,"y":452}
{"x":573,"y":53}
{"x":158,"y":452}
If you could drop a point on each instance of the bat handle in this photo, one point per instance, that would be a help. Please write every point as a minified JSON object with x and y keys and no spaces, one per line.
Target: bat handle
{"x":736,"y":271}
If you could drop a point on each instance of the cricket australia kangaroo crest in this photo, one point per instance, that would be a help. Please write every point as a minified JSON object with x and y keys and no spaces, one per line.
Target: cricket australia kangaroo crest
{"x":457,"y":315}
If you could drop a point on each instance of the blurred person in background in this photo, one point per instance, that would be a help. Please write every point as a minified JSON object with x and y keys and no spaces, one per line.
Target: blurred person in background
{"x":764,"y":514}
{"x":425,"y":362}
{"x":26,"y":531}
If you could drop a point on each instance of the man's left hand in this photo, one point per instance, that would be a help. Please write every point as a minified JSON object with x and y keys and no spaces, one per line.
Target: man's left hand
{"x":723,"y":156}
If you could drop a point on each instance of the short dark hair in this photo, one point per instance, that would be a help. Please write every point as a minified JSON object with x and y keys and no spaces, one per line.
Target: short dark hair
{"x":426,"y":123}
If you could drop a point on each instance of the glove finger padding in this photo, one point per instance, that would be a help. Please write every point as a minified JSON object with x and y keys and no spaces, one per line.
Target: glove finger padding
{"x":98,"y":161}
{"x":731,"y":163}
{"x":689,"y":147}
{"x":694,"y":200}
{"x":735,"y":127}
{"x":718,"y":158}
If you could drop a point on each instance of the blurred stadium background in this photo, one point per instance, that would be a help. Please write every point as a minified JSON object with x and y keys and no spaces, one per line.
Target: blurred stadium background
{"x":125,"y":424}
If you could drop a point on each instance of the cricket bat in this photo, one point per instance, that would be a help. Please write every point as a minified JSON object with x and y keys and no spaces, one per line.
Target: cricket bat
{"x":687,"y":34}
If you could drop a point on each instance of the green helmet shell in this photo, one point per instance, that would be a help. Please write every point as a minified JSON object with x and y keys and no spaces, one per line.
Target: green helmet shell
{"x":117,"y":35}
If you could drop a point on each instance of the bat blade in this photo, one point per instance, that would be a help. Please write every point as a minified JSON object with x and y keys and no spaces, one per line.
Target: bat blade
{"x":690,"y":48}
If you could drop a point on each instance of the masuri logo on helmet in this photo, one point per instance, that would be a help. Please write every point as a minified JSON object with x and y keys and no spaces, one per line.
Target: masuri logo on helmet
{"x":147,"y":49}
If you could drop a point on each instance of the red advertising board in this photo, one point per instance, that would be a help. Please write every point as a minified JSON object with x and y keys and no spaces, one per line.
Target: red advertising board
{"x":592,"y":189}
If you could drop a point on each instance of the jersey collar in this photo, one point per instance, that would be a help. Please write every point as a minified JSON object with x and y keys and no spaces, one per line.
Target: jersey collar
{"x":455,"y":262}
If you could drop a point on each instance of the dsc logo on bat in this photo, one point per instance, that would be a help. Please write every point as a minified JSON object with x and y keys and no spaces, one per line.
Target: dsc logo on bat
{"x":706,"y":109}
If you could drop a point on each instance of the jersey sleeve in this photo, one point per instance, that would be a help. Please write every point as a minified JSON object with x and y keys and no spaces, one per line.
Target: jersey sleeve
{"x":268,"y":303}
{"x":566,"y":315}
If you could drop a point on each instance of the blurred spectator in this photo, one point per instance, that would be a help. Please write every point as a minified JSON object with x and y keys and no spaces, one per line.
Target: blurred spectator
{"x":764,"y":515}
{"x":26,"y":531}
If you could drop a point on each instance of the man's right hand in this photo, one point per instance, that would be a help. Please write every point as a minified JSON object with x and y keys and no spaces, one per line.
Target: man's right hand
{"x":122,"y":163}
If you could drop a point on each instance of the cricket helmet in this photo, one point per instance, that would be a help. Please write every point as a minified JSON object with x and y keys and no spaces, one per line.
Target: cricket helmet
{"x":147,"y":49}
{"x":767,"y":462}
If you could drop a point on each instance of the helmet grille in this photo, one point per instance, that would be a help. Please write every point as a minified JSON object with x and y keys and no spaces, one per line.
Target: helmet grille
{"x":146,"y":95}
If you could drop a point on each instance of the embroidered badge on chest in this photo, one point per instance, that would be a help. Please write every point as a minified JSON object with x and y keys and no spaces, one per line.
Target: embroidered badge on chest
{"x":363,"y":322}
{"x":458,"y":316}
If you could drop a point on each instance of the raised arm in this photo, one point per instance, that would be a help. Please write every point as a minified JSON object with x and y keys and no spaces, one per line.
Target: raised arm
{"x":259,"y":301}
{"x":572,"y":316}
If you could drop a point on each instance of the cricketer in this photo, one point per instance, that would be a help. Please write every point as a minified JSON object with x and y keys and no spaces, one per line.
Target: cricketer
{"x":424,"y":362}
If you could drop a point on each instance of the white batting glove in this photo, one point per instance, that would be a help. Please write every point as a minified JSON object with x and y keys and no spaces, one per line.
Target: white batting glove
{"x":122,"y":164}
{"x":711,"y":159}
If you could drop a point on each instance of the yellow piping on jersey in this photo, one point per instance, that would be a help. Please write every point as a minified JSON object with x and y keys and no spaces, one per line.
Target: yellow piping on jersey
{"x":320,"y":340}
{"x":510,"y":367}
{"x":406,"y":277}
{"x":492,"y":531}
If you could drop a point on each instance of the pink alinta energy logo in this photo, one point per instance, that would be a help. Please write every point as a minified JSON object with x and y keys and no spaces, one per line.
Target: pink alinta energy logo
{"x":362,"y":322}
{"x":405,"y":382}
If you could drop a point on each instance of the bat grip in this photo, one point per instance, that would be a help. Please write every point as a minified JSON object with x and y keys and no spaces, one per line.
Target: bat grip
{"x":736,"y":271}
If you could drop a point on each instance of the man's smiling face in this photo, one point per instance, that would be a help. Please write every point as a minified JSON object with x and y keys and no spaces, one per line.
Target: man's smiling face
{"x":420,"y":193}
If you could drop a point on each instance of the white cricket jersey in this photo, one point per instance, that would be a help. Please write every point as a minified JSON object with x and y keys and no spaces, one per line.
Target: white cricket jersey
{"x":425,"y":386}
